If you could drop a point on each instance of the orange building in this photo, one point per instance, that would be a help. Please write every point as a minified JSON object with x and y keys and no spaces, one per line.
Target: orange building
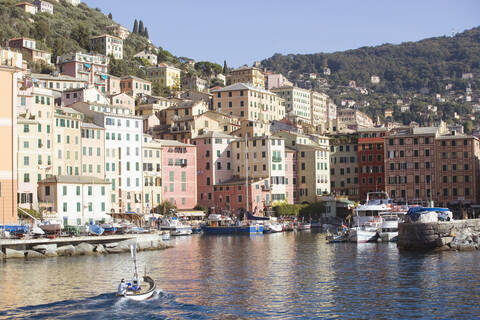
{"x":8,"y":170}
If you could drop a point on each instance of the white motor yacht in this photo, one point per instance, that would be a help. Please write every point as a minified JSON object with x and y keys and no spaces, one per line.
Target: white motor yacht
{"x":367,"y":219}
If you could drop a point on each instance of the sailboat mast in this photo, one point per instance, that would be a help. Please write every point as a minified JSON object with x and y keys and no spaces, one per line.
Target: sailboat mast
{"x":246,"y":171}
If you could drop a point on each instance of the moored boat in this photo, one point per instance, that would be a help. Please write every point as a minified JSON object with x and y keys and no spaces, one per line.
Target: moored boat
{"x":367,"y":219}
{"x":109,"y":229}
{"x":95,"y":230}
{"x":51,"y":227}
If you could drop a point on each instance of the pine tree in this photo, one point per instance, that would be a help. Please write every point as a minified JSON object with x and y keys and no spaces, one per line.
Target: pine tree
{"x":141,"y":29}
{"x":225,"y":68}
{"x":110,"y":16}
{"x":135,"y":26}
{"x":146,"y":33}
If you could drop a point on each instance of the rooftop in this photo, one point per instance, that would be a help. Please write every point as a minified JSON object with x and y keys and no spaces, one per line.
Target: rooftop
{"x":174,"y":143}
{"x":74,"y":180}
{"x":214,"y":134}
{"x":241,"y":86}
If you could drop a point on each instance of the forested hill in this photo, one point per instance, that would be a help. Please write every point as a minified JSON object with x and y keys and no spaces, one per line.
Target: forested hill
{"x":409,"y":66}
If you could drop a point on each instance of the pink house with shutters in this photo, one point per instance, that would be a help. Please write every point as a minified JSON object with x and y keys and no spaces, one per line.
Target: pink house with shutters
{"x":214,"y":164}
{"x":230,"y":196}
{"x":291,"y":188}
{"x":179,"y":173}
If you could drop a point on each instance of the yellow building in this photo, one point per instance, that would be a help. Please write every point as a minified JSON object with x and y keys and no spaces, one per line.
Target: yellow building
{"x":27,"y":161}
{"x":164,"y":75}
{"x":93,"y":150}
{"x":9,"y":72}
{"x":250,"y":75}
{"x":152,"y":173}
{"x":245,"y":101}
{"x":67,"y":145}
{"x":43,"y":109}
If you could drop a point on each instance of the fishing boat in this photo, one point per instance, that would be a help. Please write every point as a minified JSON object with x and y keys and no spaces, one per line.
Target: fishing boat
{"x":15,"y":231}
{"x":139,"y":290}
{"x":367,"y":219}
{"x":109,"y":229}
{"x":176,"y":227}
{"x":51,"y":227}
{"x":95,"y":230}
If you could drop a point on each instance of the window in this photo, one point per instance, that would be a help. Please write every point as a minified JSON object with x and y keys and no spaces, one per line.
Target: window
{"x":78,"y":190}
{"x":64,"y":190}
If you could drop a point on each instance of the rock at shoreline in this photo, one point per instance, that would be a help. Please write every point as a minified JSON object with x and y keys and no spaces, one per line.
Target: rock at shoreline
{"x":84,"y":249}
{"x":29,"y":254}
{"x":99,"y":249}
{"x":67,"y":250}
{"x":111,"y":245}
{"x":122,"y":246}
{"x":48,"y":250}
{"x":14,"y":254}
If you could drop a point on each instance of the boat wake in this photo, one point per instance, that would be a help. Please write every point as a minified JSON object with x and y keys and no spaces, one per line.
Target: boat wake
{"x":103,"y":306}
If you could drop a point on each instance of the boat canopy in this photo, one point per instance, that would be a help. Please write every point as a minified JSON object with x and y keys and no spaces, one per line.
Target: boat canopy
{"x":191,"y":213}
{"x":250,"y":216}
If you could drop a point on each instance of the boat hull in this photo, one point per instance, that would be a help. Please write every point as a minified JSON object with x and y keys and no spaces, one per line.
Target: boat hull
{"x":362,"y":236}
{"x":233,"y":230}
{"x":143,"y":295}
{"x":389,"y":236}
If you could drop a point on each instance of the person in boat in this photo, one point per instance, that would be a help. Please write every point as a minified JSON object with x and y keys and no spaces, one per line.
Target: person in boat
{"x":122,"y":288}
{"x":135,"y":286}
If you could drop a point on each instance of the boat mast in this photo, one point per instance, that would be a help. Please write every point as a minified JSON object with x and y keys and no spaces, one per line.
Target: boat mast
{"x":246,"y":177}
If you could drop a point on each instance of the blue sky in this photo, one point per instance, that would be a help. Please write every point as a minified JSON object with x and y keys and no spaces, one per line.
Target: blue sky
{"x":217,"y":30}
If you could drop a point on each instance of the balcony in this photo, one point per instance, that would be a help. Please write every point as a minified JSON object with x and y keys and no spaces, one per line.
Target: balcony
{"x":276,"y":159}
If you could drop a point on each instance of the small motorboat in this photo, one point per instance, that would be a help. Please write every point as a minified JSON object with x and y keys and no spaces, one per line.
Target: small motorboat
{"x":139,"y":290}
{"x":109,"y":229}
{"x":37,"y":231}
{"x":95,"y":230}
{"x":51,"y":227}
{"x":166,"y":236}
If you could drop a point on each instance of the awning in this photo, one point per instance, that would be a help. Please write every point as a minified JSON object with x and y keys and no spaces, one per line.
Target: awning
{"x":87,"y":65}
{"x":104,"y":77}
{"x":190,"y":213}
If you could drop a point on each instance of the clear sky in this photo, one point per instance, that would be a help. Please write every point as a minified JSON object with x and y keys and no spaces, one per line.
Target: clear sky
{"x":244,"y":31}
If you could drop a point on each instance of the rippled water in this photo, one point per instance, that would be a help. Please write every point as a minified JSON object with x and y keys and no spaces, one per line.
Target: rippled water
{"x":282,"y":276}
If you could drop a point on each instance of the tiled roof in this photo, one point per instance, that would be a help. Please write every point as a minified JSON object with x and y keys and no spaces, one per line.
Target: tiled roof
{"x":74,"y":180}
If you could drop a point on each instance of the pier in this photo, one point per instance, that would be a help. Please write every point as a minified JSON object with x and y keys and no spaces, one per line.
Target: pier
{"x":448,"y":235}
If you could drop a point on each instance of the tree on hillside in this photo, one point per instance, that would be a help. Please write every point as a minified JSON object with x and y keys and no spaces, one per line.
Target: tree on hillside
{"x":225,"y":68}
{"x":42,"y":30}
{"x":145,"y":34}
{"x":135,"y":26}
{"x":110,"y":16}
{"x":141,"y":28}
{"x":81,"y":33}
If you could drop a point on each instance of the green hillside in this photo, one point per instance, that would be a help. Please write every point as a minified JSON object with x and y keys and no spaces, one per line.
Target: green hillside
{"x":410,"y":66}
{"x":69,"y":29}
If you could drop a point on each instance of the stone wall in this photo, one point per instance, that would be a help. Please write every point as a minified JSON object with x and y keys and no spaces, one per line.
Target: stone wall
{"x":452,"y":235}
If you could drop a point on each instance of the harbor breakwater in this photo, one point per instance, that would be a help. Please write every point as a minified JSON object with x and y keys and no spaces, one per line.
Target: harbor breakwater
{"x":459,"y":235}
{"x":36,"y":248}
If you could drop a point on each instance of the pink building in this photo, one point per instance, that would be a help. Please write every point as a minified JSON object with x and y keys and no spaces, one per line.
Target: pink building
{"x":88,"y":67}
{"x":179,"y":173}
{"x":277,"y":80}
{"x":213,"y":163}
{"x":230,"y":196}
{"x":291,"y":187}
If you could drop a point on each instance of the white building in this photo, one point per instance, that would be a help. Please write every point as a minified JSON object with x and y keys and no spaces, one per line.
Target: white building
{"x":76,"y":200}
{"x":108,"y":45}
{"x":150,"y":57}
{"x":297,"y":101}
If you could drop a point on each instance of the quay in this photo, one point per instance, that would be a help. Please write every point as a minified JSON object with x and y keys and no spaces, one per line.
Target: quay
{"x":74,"y":246}
{"x":462,"y":235}
{"x":27,"y":244}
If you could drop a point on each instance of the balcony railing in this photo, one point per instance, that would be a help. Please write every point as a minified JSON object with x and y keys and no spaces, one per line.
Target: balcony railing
{"x":275,"y":159}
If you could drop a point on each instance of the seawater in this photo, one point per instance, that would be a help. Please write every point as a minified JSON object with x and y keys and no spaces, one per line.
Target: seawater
{"x":294,"y":275}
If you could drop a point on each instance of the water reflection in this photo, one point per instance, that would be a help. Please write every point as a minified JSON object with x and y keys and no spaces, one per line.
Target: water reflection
{"x":284,"y":275}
